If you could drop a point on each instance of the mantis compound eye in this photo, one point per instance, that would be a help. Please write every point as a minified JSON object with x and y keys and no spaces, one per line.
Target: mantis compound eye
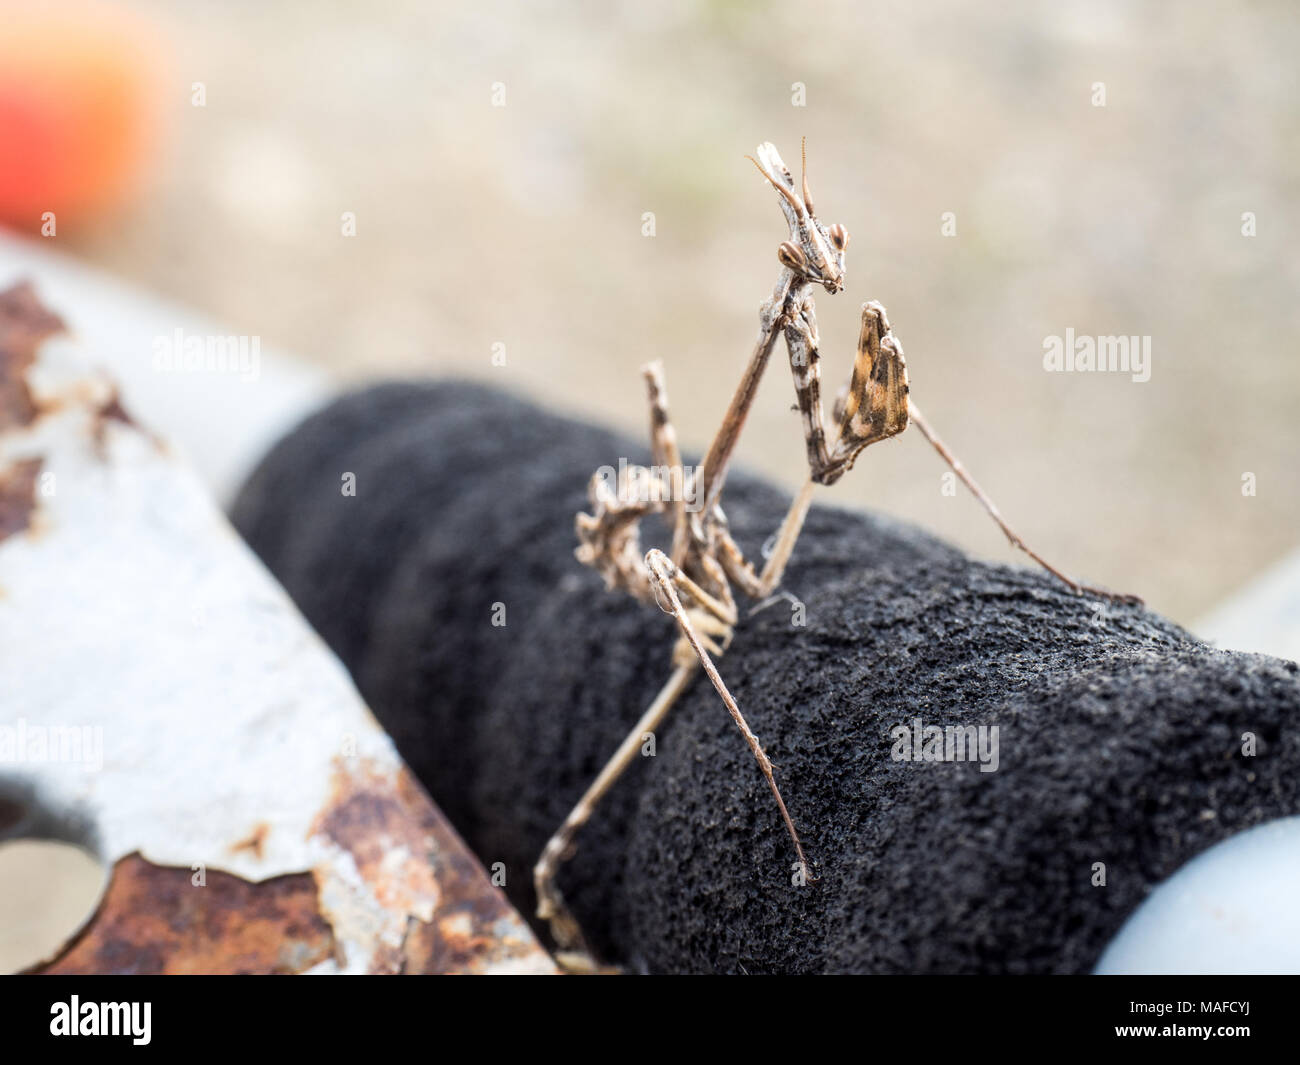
{"x":791,"y":256}
{"x":839,"y":236}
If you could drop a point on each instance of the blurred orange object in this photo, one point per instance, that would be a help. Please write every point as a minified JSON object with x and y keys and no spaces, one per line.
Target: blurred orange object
{"x":79,"y":95}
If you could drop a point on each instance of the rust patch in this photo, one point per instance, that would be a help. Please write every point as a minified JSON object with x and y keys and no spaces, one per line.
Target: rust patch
{"x":467,"y":930}
{"x":388,"y":842}
{"x":154,"y":920}
{"x":412,"y":859}
{"x":24,"y":324}
{"x":18,"y":496}
{"x":255,"y":843}
{"x":112,"y":410}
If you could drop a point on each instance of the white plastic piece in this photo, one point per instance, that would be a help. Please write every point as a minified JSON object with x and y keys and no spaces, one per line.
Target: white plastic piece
{"x":1264,"y":616}
{"x":1234,"y":909}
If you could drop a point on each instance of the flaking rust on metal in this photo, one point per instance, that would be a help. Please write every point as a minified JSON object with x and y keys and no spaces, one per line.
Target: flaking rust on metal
{"x":310,"y":862}
{"x":157,"y":919}
{"x":24,"y":324}
{"x":418,"y":875}
{"x":414,"y":862}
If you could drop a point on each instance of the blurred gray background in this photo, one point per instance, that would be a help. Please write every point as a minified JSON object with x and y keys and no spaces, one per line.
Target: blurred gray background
{"x":522,"y":225}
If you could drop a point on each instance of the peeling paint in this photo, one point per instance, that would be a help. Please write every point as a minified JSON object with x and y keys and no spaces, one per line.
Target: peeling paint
{"x":222,"y":715}
{"x":414,"y":862}
{"x":24,"y":323}
{"x":256,"y":841}
{"x":18,"y":496}
{"x":388,"y":838}
{"x":111,"y":409}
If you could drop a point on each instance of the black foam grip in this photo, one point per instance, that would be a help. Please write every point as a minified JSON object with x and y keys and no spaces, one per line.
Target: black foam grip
{"x":1121,"y":736}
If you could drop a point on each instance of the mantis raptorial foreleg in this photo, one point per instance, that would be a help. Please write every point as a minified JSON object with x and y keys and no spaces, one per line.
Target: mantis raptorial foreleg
{"x":875,"y":407}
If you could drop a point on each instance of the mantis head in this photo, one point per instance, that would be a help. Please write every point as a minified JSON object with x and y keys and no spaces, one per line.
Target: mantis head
{"x":814,"y":252}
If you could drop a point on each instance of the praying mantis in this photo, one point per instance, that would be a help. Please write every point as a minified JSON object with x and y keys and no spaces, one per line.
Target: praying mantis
{"x":693,"y":580}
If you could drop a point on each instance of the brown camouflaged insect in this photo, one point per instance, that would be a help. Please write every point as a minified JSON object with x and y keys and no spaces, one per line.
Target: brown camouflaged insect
{"x":693,"y":583}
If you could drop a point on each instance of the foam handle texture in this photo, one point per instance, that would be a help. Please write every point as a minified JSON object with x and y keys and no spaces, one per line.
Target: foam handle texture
{"x":1120,"y":734}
